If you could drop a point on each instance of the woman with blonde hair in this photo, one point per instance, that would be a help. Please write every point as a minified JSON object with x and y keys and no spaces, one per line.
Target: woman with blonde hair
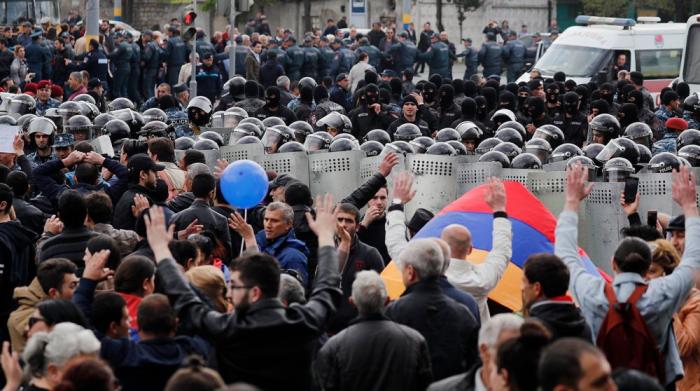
{"x":209,"y":280}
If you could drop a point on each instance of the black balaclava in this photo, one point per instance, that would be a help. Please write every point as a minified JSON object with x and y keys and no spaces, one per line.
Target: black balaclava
{"x":619,"y":87}
{"x":272,"y":96}
{"x":606,"y":93}
{"x":582,"y":92}
{"x":569,"y":85}
{"x":469,"y":88}
{"x":384,"y":96}
{"x":628,"y":114}
{"x":306,"y":95}
{"x":458,"y":85}
{"x":637,"y":98}
{"x":552,"y":93}
{"x":436,"y":79}
{"x":468,"y":109}
{"x":447,"y":95}
{"x":570,"y":103}
{"x":251,"y":89}
{"x":624,"y":93}
{"x":602,"y":106}
{"x":535,"y":107}
{"x":491,"y":97}
{"x":371,"y":77}
{"x":507,"y":101}
{"x":396,"y":87}
{"x":320,"y":93}
{"x":429,"y":91}
{"x":482,"y":108}
{"x":683,"y":90}
{"x":523,"y":93}
{"x":513,"y":88}
{"x":371,"y":94}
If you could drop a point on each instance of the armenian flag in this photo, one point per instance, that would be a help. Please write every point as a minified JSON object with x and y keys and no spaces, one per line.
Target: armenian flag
{"x":533,"y":232}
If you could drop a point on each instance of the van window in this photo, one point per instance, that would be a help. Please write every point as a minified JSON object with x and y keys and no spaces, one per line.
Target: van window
{"x":574,"y":61}
{"x":691,"y":68}
{"x":659,"y":64}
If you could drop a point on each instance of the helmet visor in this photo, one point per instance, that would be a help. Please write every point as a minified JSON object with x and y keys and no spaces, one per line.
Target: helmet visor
{"x":18,"y":106}
{"x":611,"y":150}
{"x":314,"y":143}
{"x":225,"y":120}
{"x":617,"y":175}
{"x":271,"y":141}
{"x":544,"y":135}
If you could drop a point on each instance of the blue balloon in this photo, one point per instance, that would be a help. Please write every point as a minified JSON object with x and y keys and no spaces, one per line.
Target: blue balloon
{"x":244,"y":184}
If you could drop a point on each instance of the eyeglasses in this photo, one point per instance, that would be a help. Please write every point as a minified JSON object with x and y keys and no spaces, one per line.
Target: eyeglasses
{"x":236,"y":287}
{"x":34,"y":320}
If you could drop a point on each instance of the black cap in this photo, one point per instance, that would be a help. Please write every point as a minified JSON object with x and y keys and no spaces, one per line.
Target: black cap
{"x":282,"y":181}
{"x":676,"y":224}
{"x":94,"y":82}
{"x":420,"y":218}
{"x":180,"y":88}
{"x":341,"y":76}
{"x":142,"y":162}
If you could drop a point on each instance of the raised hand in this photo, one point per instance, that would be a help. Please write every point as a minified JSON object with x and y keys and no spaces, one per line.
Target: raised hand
{"x":577,"y":187}
{"x":53,"y":225}
{"x":388,"y":163}
{"x":158,"y":234}
{"x":684,"y":191}
{"x":95,"y":265}
{"x":403,"y":188}
{"x":324,"y":224}
{"x":495,"y":195}
{"x":140,"y":204}
{"x":192,"y":228}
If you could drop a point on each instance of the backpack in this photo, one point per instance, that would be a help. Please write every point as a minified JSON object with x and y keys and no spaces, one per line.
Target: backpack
{"x":625,"y":338}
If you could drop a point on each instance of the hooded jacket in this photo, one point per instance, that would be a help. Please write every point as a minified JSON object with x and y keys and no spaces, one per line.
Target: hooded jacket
{"x":562,"y":318}
{"x":290,"y":252}
{"x":27,"y":298}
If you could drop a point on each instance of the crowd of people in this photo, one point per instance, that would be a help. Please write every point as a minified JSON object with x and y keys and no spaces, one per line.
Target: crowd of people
{"x":122,"y":264}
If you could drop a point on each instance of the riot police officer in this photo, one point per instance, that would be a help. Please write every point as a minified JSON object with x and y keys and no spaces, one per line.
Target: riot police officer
{"x":150,"y":60}
{"x":121,"y":57}
{"x":490,"y":56}
{"x":373,"y":53}
{"x":327,"y":55}
{"x":691,"y":111}
{"x":471,"y":58}
{"x":571,"y":120}
{"x":514,"y":54}
{"x":312,"y":59}
{"x":175,"y":55}
{"x":295,"y":58}
{"x":35,"y":54}
{"x":404,"y":53}
{"x":41,"y":131}
{"x":438,"y":58}
{"x":135,"y":76}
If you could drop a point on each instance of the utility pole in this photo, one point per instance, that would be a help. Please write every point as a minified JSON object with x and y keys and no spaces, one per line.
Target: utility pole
{"x":232,"y":49}
{"x":118,"y":10}
{"x":92,"y":18}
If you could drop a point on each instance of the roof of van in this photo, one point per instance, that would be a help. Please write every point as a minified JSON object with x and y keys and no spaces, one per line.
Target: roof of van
{"x":601,"y":35}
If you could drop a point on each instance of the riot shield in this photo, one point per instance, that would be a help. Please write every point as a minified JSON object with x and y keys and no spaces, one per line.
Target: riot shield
{"x":517,"y":175}
{"x":295,"y":164}
{"x":210,"y":157}
{"x":434,"y":181}
{"x":600,"y":223}
{"x":224,"y":132}
{"x":253,"y":152}
{"x":471,"y":175}
{"x":549,"y":188}
{"x":337,"y":173}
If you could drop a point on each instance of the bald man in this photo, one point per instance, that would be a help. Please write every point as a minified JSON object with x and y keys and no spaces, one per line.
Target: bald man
{"x":480,"y":279}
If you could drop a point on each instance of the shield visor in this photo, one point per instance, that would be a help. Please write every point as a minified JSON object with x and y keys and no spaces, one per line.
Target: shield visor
{"x":541,"y":153}
{"x":617,"y":175}
{"x":17,"y":106}
{"x":225,"y":120}
{"x":544,"y":135}
{"x":271,"y":140}
{"x":82,"y":133}
{"x":610,"y":151}
{"x":313,"y":143}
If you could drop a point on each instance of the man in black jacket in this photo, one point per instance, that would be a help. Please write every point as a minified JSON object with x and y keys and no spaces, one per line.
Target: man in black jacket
{"x":546,"y":280}
{"x":203,"y":189}
{"x":29,"y":215}
{"x":374,"y":194}
{"x":355,"y":256}
{"x":448,"y":327}
{"x":262,"y":342}
{"x":273,"y":108}
{"x":389,"y":356}
{"x":142,"y":180}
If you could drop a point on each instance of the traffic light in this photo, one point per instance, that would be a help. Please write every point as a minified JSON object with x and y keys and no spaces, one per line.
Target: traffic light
{"x":188,"y":18}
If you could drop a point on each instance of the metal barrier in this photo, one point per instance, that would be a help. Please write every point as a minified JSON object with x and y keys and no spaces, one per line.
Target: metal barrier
{"x":295,"y":164}
{"x":549,"y":188}
{"x":471,"y":175}
{"x":337,"y":173}
{"x":253,"y":152}
{"x":600,"y":222}
{"x":655,"y":194}
{"x":210,"y":158}
{"x":516,"y":175}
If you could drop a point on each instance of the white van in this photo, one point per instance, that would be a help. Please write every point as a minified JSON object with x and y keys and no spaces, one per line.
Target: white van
{"x":586,"y":53}
{"x":690,"y":71}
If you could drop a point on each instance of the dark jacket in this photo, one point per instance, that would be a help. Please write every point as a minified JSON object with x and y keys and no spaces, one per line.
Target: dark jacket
{"x":123,"y":216}
{"x":17,"y":249}
{"x":210,"y":220}
{"x":290,"y":252}
{"x":29,"y":215}
{"x":448,"y":327}
{"x":282,"y":112}
{"x":361,"y":257}
{"x":460,"y":296}
{"x":44,"y":174}
{"x":269,"y":72}
{"x":181,"y":202}
{"x":365,"y":119}
{"x":562,"y":318}
{"x":462,"y":382}
{"x":374,"y":353}
{"x":266,"y":345}
{"x":69,"y":244}
{"x":209,"y":81}
{"x":375,"y":234}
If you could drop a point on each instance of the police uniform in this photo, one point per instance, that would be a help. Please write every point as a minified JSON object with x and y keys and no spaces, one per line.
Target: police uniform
{"x":135,"y":76}
{"x":150,"y":58}
{"x":312,"y":58}
{"x":438,"y":59}
{"x":514,"y":54}
{"x":175,"y":56}
{"x":121,"y":58}
{"x":294,"y":62}
{"x":490,"y":56}
{"x":575,"y":128}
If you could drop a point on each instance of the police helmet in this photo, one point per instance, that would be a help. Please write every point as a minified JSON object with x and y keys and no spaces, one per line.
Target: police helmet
{"x":347,"y":136}
{"x":79,"y":124}
{"x":487,"y":145}
{"x":272,"y":121}
{"x":154,"y":114}
{"x":509,"y":149}
{"x":502,"y":115}
{"x":592,"y":150}
{"x":318,"y":141}
{"x":85,"y":98}
{"x":421,"y":144}
{"x":688,"y":137}
{"x":644,"y":154}
{"x":343,"y":144}
{"x":8,"y":120}
{"x":400,"y":146}
{"x":692,"y":103}
{"x":663,"y":162}
{"x":619,"y":147}
{"x":117,"y":130}
{"x":292,"y":146}
{"x":447,"y":134}
{"x":538,"y":147}
{"x":184,"y":143}
{"x":441,"y":148}
{"x":24,"y":120}
{"x":407,"y":132}
{"x":605,"y":124}
{"x":199,"y":110}
{"x":254,"y":121}
{"x":372,"y":148}
{"x":514,"y":125}
{"x":275,"y":137}
{"x":584,"y":161}
{"x":618,"y":169}
{"x":510,"y":135}
{"x":459,"y":147}
{"x":565,"y":152}
{"x":213,"y":136}
{"x":248,"y":140}
{"x":121,"y":103}
{"x":21,"y":104}
{"x":301,"y":130}
{"x":552,"y":134}
{"x":307,"y":81}
{"x":640,"y":133}
{"x":526,"y":161}
{"x":379,"y":135}
{"x":495,"y":156}
{"x":155,"y":129}
{"x":205,"y":144}
{"x":102,"y":119}
{"x":468,"y":130}
{"x":41,"y":125}
{"x":691,"y":153}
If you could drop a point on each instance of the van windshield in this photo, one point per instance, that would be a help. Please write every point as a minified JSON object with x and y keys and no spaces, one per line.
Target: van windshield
{"x":574,"y":61}
{"x":691,"y":68}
